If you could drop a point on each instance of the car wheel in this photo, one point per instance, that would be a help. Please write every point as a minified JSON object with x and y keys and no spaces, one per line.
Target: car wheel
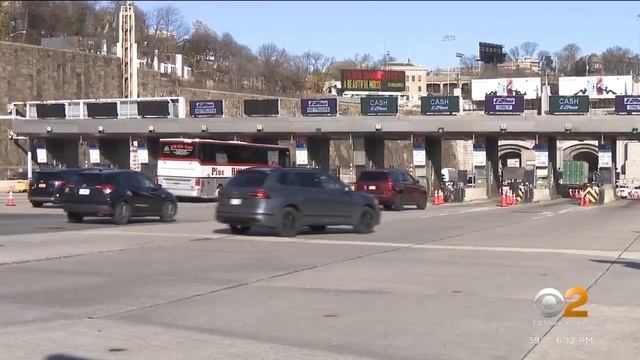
{"x":239,"y":229}
{"x":422,"y":204}
{"x":121,"y":214}
{"x":398,"y":205}
{"x":37,"y":204}
{"x":387,"y":206}
{"x":366,"y":221}
{"x":169,"y":210}
{"x":288,"y":223}
{"x":318,"y":228}
{"x":74,"y":217}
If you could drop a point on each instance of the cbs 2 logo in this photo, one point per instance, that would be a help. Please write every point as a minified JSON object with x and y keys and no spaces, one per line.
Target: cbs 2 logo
{"x":550,"y":302}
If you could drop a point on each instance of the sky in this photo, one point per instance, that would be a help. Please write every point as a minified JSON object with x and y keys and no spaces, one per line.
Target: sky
{"x":415,"y":29}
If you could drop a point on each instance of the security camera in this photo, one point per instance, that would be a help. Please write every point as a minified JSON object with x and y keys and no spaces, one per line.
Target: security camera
{"x":151,"y":128}
{"x":49,"y":129}
{"x":378,"y":127}
{"x":259,"y":127}
{"x":203,"y":128}
{"x":503,"y":126}
{"x":100,"y":129}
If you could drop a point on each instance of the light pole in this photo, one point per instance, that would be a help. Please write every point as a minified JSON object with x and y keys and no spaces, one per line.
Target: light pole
{"x":586,"y":71}
{"x":447,"y":39}
{"x":638,"y":71}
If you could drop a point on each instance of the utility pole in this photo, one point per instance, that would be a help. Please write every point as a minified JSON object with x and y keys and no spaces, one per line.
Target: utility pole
{"x":447,"y":39}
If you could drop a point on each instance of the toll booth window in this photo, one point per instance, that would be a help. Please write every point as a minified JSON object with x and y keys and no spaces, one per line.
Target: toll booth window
{"x":272,"y":157}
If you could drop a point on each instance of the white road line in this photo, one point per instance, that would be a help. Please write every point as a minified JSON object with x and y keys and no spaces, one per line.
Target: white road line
{"x":599,"y":253}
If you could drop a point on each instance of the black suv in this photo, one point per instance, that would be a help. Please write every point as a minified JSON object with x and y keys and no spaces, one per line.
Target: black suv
{"x":47,"y":185}
{"x":119,"y":194}
{"x":288,"y":198}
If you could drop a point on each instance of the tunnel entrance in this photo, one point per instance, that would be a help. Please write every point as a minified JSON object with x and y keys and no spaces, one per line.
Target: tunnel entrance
{"x":588,"y":157}
{"x":511,"y":159}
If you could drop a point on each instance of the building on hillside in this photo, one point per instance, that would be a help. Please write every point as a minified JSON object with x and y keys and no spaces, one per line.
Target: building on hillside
{"x":415,"y":79}
{"x":527,"y":65}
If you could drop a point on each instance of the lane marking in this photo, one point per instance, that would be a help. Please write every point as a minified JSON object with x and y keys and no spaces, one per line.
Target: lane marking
{"x":274,"y":239}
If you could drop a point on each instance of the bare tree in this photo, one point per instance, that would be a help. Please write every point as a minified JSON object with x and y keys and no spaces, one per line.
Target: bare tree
{"x":318,"y":69}
{"x":468,"y":63}
{"x":514,"y":53}
{"x":567,"y":57}
{"x":168,"y":29}
{"x":546,"y":61}
{"x":617,"y":61}
{"x":528,"y":48}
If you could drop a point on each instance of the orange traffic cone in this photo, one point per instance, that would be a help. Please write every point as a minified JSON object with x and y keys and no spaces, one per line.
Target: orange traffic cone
{"x":11,"y":201}
{"x":436,"y":198}
{"x":504,"y":202}
{"x":441,"y":201}
{"x":583,"y":201}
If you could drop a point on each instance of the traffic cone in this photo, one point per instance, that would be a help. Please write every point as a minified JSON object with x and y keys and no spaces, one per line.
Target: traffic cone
{"x":441,"y":201}
{"x":436,"y":198}
{"x":11,"y":201}
{"x":504,"y":202}
{"x":583,"y":201}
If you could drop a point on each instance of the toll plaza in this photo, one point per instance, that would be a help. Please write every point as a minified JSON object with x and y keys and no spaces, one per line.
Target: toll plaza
{"x":124,"y":133}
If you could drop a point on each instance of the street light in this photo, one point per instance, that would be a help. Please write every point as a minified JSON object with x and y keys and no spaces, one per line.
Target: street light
{"x":447,"y":39}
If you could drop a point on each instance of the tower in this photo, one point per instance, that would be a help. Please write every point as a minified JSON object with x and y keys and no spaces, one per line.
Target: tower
{"x":127,"y":50}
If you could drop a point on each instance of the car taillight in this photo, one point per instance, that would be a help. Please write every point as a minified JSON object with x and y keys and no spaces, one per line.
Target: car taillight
{"x":259,"y":194}
{"x":68,"y":188}
{"x":389,"y":186}
{"x":197,"y":181}
{"x":107,"y":189}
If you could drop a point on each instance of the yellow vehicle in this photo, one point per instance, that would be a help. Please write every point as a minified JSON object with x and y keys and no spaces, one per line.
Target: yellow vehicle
{"x":21,"y":186}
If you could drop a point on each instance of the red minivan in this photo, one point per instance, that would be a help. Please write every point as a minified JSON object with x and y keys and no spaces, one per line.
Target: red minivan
{"x":394,"y":188}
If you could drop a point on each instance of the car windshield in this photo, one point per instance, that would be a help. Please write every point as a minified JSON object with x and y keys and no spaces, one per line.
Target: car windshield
{"x":251,"y":178}
{"x":373,"y":176}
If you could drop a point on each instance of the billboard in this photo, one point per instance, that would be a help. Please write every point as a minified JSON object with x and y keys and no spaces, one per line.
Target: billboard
{"x":266,"y":107}
{"x":372,"y":80}
{"x":319,"y":107}
{"x":51,"y":111}
{"x":504,"y":104}
{"x":627,"y":104}
{"x":153,"y":108}
{"x":530,"y":88}
{"x":596,"y":87}
{"x":568,"y":104}
{"x":379,"y":105}
{"x":439,"y":104}
{"x":102,"y":110}
{"x":206,"y":108}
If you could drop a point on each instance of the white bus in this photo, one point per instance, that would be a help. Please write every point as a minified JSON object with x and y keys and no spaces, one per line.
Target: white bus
{"x":198,"y":168}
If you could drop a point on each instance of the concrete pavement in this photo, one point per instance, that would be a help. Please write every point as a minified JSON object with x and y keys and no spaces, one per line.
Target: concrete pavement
{"x":450,"y":282}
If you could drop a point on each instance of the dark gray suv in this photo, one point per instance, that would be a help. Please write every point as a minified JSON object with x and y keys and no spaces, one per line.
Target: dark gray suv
{"x":286,"y":199}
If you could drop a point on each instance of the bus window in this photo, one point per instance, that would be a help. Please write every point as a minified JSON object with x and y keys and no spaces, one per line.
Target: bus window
{"x":221,"y":158}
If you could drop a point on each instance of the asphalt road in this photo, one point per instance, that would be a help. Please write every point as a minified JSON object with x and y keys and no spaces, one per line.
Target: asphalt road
{"x":449,"y":282}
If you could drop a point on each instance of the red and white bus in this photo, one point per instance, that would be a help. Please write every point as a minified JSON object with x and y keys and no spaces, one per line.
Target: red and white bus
{"x":198,"y":168}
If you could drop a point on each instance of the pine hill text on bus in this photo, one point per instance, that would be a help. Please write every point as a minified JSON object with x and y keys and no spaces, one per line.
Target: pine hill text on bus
{"x":198,"y":168}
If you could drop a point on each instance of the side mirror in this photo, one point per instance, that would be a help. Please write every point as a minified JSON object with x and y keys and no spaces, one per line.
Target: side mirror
{"x":157,"y":186}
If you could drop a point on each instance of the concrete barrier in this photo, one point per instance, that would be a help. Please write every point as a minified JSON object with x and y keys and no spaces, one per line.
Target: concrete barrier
{"x":471,"y":194}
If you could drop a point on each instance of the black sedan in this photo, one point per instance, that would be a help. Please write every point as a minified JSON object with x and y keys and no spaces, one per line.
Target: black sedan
{"x":119,"y":194}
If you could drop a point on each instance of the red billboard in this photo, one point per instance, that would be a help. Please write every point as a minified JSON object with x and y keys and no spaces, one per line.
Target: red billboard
{"x":373,"y":80}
